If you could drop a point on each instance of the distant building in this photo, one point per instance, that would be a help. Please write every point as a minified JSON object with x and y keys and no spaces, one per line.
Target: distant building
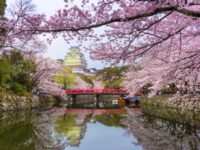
{"x":76,"y":60}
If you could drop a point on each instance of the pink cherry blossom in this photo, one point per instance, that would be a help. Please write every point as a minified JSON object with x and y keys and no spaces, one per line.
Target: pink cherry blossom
{"x":162,"y":34}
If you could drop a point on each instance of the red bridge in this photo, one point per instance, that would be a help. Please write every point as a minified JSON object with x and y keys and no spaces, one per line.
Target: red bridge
{"x":95,"y":91}
{"x":73,"y":93}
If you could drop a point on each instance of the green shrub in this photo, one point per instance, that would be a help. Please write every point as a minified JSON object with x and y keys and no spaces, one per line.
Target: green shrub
{"x":18,"y":88}
{"x":17,"y":73}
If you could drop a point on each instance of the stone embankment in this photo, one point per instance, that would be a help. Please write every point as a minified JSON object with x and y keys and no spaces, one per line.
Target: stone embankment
{"x":186,"y":102}
{"x":183,"y":103}
{"x":12,"y":102}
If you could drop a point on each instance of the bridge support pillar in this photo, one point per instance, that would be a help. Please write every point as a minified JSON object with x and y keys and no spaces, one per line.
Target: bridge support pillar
{"x":122,"y":95}
{"x":97,"y":100}
{"x":74,"y":100}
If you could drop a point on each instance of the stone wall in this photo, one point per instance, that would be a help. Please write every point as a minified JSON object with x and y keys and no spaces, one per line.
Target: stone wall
{"x":183,"y":103}
{"x":13,"y":102}
{"x":186,"y":102}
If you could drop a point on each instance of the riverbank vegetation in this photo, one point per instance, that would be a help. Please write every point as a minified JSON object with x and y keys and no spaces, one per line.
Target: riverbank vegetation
{"x":112,"y":77}
{"x":17,"y":73}
{"x":23,"y":70}
{"x":66,"y":78}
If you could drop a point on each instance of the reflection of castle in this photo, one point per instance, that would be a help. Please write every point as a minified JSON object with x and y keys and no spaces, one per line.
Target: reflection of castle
{"x":73,"y":127}
{"x":76,"y":60}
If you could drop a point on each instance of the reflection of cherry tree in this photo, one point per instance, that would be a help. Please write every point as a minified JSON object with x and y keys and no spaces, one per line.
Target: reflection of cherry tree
{"x":155,"y":133}
{"x":43,"y":132}
{"x":34,"y":132}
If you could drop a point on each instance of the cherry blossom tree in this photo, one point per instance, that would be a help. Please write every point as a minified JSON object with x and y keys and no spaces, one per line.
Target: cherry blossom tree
{"x":81,"y":84}
{"x":161,"y":70}
{"x":44,"y":77}
{"x":162,"y":34}
{"x":98,"y":84}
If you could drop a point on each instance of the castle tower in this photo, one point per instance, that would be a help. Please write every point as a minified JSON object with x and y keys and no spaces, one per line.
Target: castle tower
{"x":75,"y":59}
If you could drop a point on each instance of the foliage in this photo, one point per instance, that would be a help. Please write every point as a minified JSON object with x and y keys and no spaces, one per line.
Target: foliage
{"x":18,"y":88}
{"x":2,"y":12}
{"x":160,"y":35}
{"x":111,"y":76}
{"x":16,"y":73}
{"x":2,"y":7}
{"x":70,"y":80}
{"x":66,"y":78}
{"x":45,"y":75}
{"x":87,"y":79}
{"x":5,"y":69}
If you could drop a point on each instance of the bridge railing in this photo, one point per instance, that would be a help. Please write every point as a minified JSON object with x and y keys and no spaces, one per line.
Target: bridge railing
{"x":91,"y":91}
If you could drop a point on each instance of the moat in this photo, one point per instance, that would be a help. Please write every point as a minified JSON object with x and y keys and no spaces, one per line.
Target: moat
{"x":110,"y":129}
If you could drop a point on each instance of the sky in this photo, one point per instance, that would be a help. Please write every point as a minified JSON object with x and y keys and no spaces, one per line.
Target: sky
{"x":59,"y":48}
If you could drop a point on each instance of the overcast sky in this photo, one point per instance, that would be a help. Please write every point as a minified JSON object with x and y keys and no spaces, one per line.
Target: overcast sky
{"x":58,"y":48}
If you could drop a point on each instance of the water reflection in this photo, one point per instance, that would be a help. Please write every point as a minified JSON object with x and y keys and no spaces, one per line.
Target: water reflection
{"x":156,"y":133}
{"x":64,"y":129}
{"x":94,"y":129}
{"x":88,"y":129}
{"x":72,"y":127}
{"x":20,"y":139}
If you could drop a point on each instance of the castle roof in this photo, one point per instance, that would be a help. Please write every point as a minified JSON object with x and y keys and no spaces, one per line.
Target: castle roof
{"x":75,"y":58}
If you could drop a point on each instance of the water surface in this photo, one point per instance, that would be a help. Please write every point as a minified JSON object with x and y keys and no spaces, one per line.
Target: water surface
{"x":99,"y":129}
